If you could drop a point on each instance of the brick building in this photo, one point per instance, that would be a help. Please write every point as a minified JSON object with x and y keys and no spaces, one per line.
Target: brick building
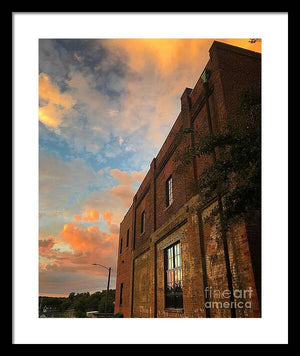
{"x":171,"y":260}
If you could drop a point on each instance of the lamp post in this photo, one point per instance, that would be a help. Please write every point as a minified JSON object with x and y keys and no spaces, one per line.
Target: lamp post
{"x":108,"y":280}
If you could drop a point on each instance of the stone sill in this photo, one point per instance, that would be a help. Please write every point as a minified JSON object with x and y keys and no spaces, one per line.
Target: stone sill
{"x":171,"y":310}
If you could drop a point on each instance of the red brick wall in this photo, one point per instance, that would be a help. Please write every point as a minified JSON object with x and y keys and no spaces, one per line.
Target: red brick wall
{"x":232,"y":71}
{"x":240,"y":265}
{"x":144,"y":202}
{"x":124,"y":266}
{"x":179,"y":194}
{"x":239,"y":70}
{"x":142,"y":293}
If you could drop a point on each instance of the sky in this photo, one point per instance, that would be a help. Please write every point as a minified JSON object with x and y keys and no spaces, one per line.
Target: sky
{"x":105,"y":108}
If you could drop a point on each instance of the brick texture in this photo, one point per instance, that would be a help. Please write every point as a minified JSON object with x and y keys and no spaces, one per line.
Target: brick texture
{"x":205,"y":279}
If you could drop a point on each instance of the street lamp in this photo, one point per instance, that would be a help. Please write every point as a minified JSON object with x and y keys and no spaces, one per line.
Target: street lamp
{"x":108,"y":280}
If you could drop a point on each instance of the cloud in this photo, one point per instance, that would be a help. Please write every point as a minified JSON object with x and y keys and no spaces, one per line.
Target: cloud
{"x":120,"y":141}
{"x":165,"y":54}
{"x":242,"y":42}
{"x":56,"y":104}
{"x":158,"y":72}
{"x":107,"y":216}
{"x":45,"y":245}
{"x":90,"y":124}
{"x":121,"y":87}
{"x":90,"y":215}
{"x":168,"y":54}
{"x":78,"y":58}
{"x":126,"y":178}
{"x":64,"y":184}
{"x":103,"y":201}
{"x":62,"y":283}
{"x":86,"y":239}
{"x":114,"y":229}
{"x":125,"y":191}
{"x":88,"y":245}
{"x":51,"y":61}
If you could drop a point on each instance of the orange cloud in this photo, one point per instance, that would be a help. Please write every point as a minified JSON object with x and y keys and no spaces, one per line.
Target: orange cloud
{"x":57,"y":104}
{"x":114,"y":229}
{"x":126,"y":178}
{"x":123,"y":192}
{"x":103,"y":202}
{"x":166,"y":54}
{"x":66,"y":271}
{"x":89,"y":215}
{"x":244,"y":43}
{"x":170,"y":53}
{"x":45,"y":245}
{"x":173,"y":63}
{"x":42,"y":265}
{"x":107,"y":216}
{"x":84,"y":239}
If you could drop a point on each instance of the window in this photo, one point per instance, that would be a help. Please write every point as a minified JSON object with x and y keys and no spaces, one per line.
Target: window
{"x":127,"y":238}
{"x":121,"y":245}
{"x":121,"y":293}
{"x":173,"y":277}
{"x":169,"y":192}
{"x":143,"y":222}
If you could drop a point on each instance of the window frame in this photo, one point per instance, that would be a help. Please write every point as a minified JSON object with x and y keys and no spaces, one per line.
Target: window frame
{"x":143,"y":221}
{"x":169,"y":191}
{"x":127,"y":238}
{"x":177,"y":302}
{"x":121,"y":245}
{"x":121,"y":294}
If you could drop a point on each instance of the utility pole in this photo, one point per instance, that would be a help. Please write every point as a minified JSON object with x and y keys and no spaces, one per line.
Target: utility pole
{"x":108,"y":281}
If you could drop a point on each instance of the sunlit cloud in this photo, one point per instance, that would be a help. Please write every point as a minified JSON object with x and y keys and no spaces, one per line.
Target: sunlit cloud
{"x":90,"y":215}
{"x":107,"y":216}
{"x":56,"y":104}
{"x":88,"y":245}
{"x":126,"y":178}
{"x":125,"y":190}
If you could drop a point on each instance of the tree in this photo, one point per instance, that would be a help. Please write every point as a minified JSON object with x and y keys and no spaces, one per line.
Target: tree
{"x":80,"y":305}
{"x":65,"y":305}
{"x":71,"y":296}
{"x":80,"y":302}
{"x":111,"y":299}
{"x":93,"y":301}
{"x":236,"y":171}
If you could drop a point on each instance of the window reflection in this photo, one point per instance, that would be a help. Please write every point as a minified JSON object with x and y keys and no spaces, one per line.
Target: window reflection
{"x":173,"y":289}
